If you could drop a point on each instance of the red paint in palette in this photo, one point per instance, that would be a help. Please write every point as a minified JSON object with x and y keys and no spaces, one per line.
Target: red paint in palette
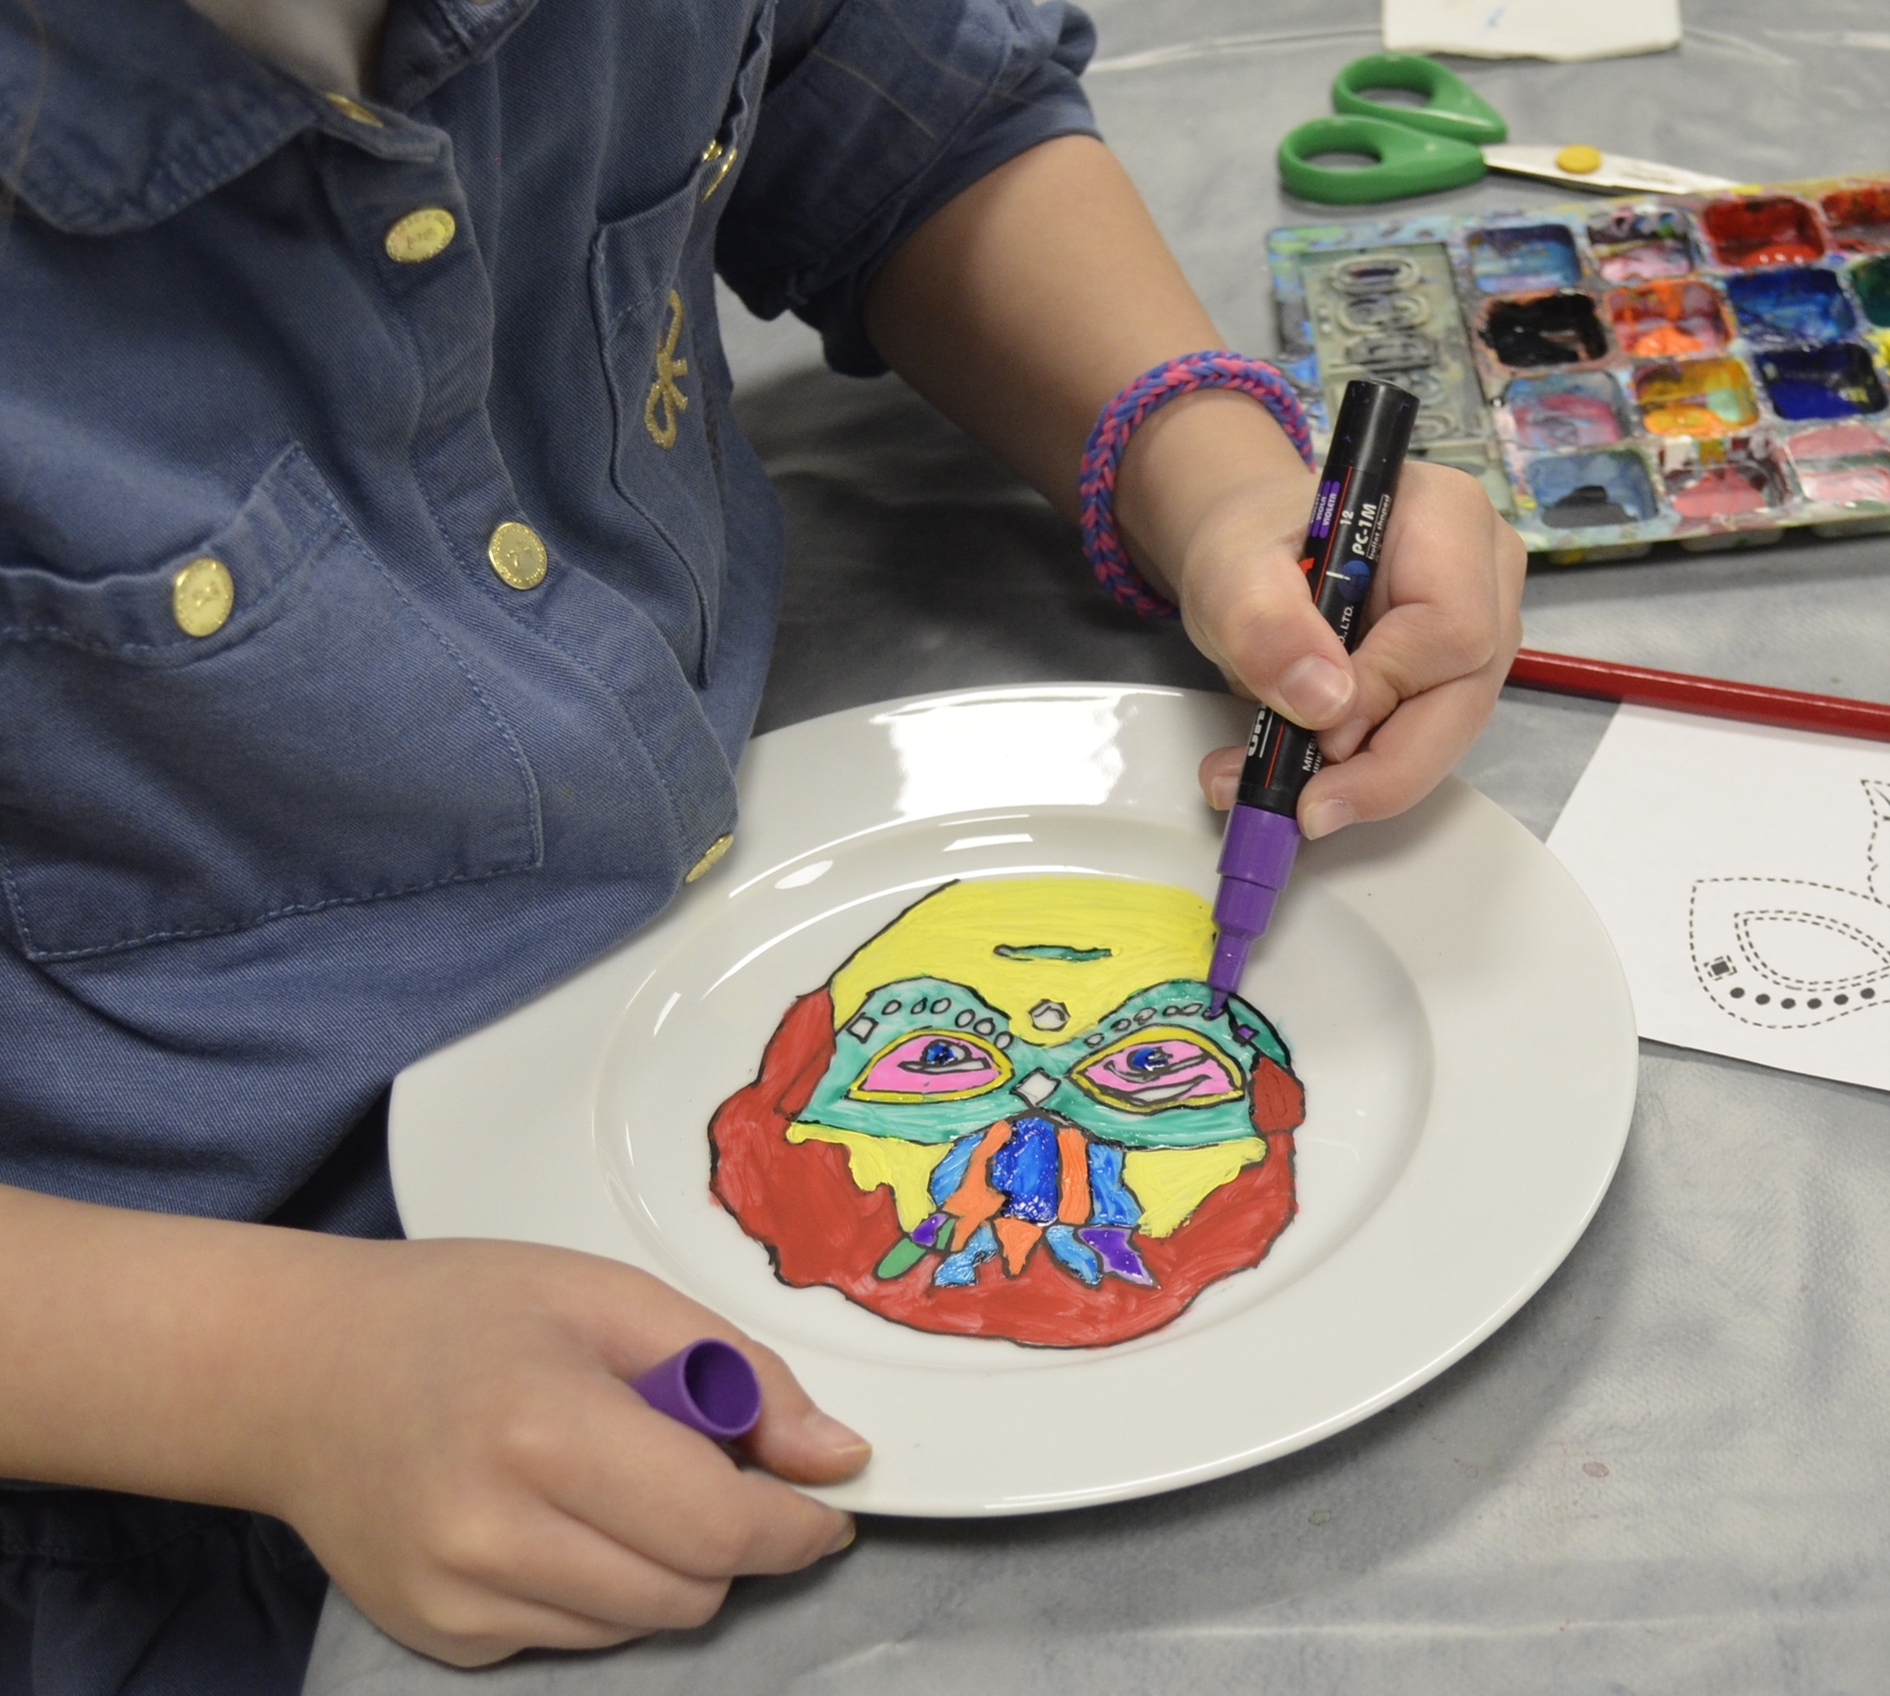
{"x":1774,"y":229}
{"x":1720,"y":491}
{"x":1859,"y":217}
{"x":1848,"y":464}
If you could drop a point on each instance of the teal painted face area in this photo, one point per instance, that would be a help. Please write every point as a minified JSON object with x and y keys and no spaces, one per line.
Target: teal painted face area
{"x":929,"y":1061}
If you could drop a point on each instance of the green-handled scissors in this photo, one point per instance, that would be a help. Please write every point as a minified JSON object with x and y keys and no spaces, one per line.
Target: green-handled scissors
{"x":1452,"y":139}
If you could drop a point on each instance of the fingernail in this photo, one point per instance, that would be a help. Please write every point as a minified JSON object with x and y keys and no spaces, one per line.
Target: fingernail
{"x":1313,"y":689}
{"x":1221,"y":790}
{"x":1322,"y":818}
{"x":845,"y":1540}
{"x":829,"y":1433}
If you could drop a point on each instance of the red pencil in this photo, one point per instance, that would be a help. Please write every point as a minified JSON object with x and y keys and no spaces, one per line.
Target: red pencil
{"x":1713,"y":696}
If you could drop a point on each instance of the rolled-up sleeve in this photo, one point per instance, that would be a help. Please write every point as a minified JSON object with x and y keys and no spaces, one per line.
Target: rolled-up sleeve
{"x":881,"y":115}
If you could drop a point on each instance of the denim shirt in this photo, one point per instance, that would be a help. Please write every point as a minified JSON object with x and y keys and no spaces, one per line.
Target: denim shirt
{"x":385,"y":587}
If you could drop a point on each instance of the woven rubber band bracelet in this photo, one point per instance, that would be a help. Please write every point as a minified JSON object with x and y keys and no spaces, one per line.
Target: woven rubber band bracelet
{"x":1096,"y":484}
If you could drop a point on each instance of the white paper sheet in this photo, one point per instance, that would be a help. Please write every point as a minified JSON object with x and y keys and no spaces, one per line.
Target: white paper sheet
{"x":1744,"y":875}
{"x":1532,"y":29}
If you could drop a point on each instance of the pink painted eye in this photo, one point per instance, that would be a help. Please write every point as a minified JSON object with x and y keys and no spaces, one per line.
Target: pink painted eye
{"x":1151,"y":1071}
{"x":931,"y":1064}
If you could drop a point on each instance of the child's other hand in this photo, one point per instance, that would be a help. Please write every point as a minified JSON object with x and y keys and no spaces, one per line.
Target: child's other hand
{"x":464,"y":1456}
{"x":1397,"y":714}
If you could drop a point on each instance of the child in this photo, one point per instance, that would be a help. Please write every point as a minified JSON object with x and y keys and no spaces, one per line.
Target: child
{"x":385,"y":594}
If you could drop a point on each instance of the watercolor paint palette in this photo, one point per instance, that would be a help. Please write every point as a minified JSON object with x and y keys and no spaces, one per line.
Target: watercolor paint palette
{"x":1707,"y":369}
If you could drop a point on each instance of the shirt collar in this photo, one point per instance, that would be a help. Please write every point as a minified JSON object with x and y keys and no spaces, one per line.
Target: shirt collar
{"x":117,"y":114}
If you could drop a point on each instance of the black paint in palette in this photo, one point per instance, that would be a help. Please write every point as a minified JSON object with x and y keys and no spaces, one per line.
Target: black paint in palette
{"x":1534,"y":331}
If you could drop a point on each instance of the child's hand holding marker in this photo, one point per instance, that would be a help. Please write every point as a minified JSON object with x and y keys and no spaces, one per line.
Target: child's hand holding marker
{"x":471,"y":1469}
{"x":1442,"y":628}
{"x":1024,"y":305}
{"x":448,"y":1424}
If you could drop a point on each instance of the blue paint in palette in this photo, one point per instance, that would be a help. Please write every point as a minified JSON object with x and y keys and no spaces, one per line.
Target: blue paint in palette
{"x":1541,"y":256}
{"x":1835,"y":381}
{"x":1581,"y":409}
{"x":1576,"y":491}
{"x":1794,"y":303}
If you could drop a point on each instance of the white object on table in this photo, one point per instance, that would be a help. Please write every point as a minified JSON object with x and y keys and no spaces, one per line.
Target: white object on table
{"x":1532,"y":29}
{"x":1744,"y":874}
{"x":1607,"y":172}
{"x":1451,"y":1001}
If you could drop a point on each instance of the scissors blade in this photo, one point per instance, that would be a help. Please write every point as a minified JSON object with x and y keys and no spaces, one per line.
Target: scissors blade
{"x":1615,"y":171}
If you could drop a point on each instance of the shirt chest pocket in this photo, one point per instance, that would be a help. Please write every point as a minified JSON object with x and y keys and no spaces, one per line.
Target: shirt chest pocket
{"x":653,"y":296}
{"x":318,"y":741}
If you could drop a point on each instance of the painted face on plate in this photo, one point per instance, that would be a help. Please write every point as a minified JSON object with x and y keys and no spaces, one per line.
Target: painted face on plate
{"x":1012,"y":1113}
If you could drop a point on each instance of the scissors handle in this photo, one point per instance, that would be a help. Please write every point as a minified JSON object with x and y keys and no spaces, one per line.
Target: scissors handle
{"x":1451,"y":106}
{"x":1409,"y":162}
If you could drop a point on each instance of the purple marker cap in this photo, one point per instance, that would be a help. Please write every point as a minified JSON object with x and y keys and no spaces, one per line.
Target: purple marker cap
{"x":709,"y":1386}
{"x":1256,"y":856}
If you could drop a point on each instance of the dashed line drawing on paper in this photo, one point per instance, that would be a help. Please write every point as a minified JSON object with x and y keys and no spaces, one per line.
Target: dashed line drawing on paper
{"x":1785,"y":953}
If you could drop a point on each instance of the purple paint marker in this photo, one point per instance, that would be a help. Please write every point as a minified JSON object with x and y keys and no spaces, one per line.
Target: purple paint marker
{"x":709,"y":1386}
{"x":1349,"y":516}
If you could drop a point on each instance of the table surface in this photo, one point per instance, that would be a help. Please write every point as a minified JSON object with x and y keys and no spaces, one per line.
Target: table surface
{"x":1671,"y":1471}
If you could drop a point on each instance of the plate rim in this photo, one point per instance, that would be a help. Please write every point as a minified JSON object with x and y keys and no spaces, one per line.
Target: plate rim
{"x":1452,"y":798}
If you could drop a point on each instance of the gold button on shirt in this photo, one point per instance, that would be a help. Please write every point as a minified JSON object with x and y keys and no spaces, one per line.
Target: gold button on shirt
{"x":203,"y":594}
{"x":518,"y":555}
{"x":352,"y":109}
{"x":711,"y":858}
{"x":421,"y":235}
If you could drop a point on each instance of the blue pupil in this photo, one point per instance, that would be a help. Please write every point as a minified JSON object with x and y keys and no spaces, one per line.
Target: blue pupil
{"x":937,"y":1054}
{"x":1148,"y":1059}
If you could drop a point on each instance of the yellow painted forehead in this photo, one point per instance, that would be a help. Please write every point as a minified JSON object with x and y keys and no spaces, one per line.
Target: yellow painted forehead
{"x":997,"y":936}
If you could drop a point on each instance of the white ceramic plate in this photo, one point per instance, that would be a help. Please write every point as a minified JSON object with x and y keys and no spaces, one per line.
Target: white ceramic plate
{"x":1452,"y":1003}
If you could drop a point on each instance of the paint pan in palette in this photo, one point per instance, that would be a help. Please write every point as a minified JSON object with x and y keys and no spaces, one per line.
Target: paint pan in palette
{"x":1668,"y":319}
{"x":1870,"y":282}
{"x":1858,"y":217}
{"x":1845,"y":463}
{"x":1635,"y":244}
{"x":1552,"y":414}
{"x":1704,"y":369}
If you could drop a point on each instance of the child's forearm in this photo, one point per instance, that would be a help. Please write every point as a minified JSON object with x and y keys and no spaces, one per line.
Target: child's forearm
{"x":1028,"y":302}
{"x":1024,"y":305}
{"x":147,"y":1352}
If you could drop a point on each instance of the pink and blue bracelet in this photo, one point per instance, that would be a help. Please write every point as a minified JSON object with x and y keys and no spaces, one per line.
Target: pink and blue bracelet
{"x":1096,"y":484}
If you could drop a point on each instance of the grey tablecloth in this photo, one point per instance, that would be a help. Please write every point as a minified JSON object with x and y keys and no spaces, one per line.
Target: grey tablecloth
{"x":1671,"y":1472}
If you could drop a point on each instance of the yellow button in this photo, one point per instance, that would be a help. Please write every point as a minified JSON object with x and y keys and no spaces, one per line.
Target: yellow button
{"x":202,"y":597}
{"x":421,"y":235}
{"x":709,"y":861}
{"x":351,"y":109}
{"x":518,"y":555}
{"x":720,"y":174}
{"x":1578,"y":160}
